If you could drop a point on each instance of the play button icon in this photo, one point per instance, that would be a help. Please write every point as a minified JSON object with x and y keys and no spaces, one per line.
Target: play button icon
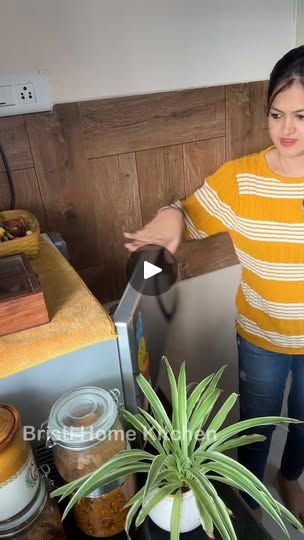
{"x":151,"y":270}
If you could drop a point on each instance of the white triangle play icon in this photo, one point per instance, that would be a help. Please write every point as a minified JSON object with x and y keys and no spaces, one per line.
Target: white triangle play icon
{"x":151,"y":270}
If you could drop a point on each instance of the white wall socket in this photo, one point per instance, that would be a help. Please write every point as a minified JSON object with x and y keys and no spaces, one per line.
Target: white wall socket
{"x":21,"y":94}
{"x":26,"y":93}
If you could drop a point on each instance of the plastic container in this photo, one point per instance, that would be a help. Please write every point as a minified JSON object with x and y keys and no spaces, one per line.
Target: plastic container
{"x":40,"y":520}
{"x":19,"y":479}
{"x":85,"y":432}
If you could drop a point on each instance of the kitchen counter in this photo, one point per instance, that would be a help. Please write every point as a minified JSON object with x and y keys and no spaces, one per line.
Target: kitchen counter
{"x":77,"y":319}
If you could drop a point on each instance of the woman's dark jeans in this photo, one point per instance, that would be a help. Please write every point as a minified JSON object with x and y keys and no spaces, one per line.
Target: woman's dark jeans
{"x":262,"y":379}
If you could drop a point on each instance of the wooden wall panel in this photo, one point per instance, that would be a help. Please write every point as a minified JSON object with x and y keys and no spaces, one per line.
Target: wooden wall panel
{"x":64,"y":180}
{"x":27,"y":194}
{"x":115,"y":126}
{"x":201,"y":159}
{"x":114,"y":187}
{"x":245,"y":118}
{"x":206,"y":255}
{"x":160,"y":177}
{"x":95,"y":169}
{"x":13,"y":138}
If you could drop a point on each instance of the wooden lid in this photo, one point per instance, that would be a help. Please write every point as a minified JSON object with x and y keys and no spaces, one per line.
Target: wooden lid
{"x":9,"y":423}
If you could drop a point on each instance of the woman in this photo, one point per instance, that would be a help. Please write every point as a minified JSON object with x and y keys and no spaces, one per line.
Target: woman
{"x":259,"y":200}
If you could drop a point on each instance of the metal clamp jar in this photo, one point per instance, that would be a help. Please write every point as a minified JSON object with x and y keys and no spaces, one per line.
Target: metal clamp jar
{"x":39,"y":520}
{"x":85,"y":431}
{"x":19,"y":479}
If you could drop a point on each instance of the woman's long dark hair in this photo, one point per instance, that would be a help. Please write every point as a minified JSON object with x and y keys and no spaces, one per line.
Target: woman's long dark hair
{"x":288,"y":69}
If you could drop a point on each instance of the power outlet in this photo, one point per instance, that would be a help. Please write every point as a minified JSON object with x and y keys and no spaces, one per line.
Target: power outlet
{"x":25,"y":93}
{"x":20,"y":97}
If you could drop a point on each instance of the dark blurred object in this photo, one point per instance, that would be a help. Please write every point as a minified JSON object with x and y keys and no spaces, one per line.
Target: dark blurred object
{"x":9,"y":178}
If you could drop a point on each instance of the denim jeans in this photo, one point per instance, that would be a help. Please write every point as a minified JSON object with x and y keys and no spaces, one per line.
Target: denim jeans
{"x":262,"y":380}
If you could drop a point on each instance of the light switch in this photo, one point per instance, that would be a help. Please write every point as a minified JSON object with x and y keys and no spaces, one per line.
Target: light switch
{"x":6,"y":96}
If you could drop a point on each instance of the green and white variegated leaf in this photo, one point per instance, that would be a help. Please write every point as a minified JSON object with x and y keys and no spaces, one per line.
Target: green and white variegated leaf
{"x":213,"y":440}
{"x":202,"y":505}
{"x":240,"y":441}
{"x":290,"y":517}
{"x":217,"y":377}
{"x":154,"y":423}
{"x":205,"y":501}
{"x":158,"y":496}
{"x":217,"y":457}
{"x":233,"y":478}
{"x":176,"y":515}
{"x":200,"y":416}
{"x":202,"y":412}
{"x":206,"y":520}
{"x":221,"y":416}
{"x":246,"y":481}
{"x":134,"y":503}
{"x":94,"y":481}
{"x":218,"y":503}
{"x":224,"y":477}
{"x":65,"y":490}
{"x":196,"y":394}
{"x":173,"y":390}
{"x":182,"y":410}
{"x":156,"y":467}
{"x":87,"y":487}
{"x":123,"y":458}
{"x":143,"y":427}
{"x":155,"y":403}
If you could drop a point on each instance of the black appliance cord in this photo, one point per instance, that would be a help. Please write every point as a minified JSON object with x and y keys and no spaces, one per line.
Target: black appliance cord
{"x":9,"y":178}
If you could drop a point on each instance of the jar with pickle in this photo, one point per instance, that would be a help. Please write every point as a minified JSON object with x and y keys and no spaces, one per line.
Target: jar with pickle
{"x":19,"y":479}
{"x":40,"y":520}
{"x":85,"y":431}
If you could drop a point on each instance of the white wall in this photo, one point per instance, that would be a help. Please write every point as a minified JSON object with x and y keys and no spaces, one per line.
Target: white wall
{"x":100,"y":48}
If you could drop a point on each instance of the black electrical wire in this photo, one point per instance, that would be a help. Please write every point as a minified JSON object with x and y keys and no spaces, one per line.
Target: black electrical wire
{"x":9,"y":178}
{"x":168,"y":314}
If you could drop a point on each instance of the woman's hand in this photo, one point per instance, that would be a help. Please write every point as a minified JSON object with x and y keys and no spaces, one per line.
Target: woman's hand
{"x":166,"y":230}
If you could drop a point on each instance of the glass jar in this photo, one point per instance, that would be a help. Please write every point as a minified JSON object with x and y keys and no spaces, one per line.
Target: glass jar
{"x":19,"y":479}
{"x":85,"y":431}
{"x":40,"y":520}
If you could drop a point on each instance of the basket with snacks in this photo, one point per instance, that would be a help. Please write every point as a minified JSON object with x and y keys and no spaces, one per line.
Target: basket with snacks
{"x":19,"y":233}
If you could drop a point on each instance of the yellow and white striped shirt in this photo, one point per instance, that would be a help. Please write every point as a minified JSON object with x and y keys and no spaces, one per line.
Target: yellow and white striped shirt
{"x":264,"y":215}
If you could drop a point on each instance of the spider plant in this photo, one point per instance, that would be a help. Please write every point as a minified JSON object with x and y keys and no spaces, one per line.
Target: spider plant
{"x":186,"y":458}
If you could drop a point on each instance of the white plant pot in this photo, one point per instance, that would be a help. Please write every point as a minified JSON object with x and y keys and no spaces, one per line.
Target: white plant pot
{"x":190,"y":519}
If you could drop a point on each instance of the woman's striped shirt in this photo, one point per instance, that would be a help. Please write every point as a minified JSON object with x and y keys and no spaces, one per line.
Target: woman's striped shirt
{"x":264,"y":215}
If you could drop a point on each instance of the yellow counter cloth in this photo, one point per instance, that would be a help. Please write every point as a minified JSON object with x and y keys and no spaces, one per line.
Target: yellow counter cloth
{"x":77,"y":319}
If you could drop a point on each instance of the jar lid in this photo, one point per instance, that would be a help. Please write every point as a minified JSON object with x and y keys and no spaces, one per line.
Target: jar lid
{"x":10,"y":527}
{"x":82,"y":417}
{"x":9,"y":423}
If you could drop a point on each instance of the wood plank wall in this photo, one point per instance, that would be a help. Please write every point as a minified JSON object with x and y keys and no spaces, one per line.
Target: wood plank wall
{"x":91,"y":170}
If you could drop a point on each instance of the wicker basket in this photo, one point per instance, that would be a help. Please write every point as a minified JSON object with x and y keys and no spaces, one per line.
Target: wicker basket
{"x":29,"y":245}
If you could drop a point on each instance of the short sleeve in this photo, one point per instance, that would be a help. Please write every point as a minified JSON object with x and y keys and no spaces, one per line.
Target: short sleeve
{"x":211,"y":208}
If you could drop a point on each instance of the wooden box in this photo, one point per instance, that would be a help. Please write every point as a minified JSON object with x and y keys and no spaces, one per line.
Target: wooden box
{"x":22,"y":303}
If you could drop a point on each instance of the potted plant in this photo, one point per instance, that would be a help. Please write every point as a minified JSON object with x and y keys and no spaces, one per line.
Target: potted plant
{"x":179,"y":493}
